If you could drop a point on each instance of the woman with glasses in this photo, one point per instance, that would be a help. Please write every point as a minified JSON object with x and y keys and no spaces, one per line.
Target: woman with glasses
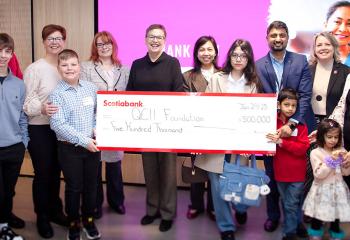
{"x":157,"y":71}
{"x":205,"y":54}
{"x":104,"y":69}
{"x":41,"y":78}
{"x":238,"y":75}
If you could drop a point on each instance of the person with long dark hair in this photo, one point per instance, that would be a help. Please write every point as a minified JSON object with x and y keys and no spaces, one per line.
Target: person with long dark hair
{"x":238,"y":75}
{"x":205,"y":55}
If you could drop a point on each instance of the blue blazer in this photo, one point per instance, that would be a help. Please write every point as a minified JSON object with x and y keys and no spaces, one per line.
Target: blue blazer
{"x":296,"y":75}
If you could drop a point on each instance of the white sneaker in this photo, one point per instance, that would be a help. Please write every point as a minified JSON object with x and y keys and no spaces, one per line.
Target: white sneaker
{"x":6,"y":233}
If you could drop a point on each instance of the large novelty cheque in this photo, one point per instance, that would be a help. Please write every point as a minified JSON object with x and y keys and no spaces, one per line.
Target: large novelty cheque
{"x":185,"y":122}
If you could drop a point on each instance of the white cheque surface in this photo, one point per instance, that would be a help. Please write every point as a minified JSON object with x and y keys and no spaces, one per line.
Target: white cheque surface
{"x":185,"y":122}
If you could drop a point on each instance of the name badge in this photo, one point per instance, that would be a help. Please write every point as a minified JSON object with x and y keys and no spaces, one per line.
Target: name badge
{"x":88,"y":101}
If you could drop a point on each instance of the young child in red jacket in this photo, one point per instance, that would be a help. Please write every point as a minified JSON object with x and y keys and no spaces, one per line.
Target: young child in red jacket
{"x":289,"y":162}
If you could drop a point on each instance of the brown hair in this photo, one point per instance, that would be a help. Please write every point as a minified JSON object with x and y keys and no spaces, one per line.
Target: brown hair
{"x":106,"y":37}
{"x":156,"y":26}
{"x":66,"y":54}
{"x":6,"y":41}
{"x":325,"y":126}
{"x":51,"y":28}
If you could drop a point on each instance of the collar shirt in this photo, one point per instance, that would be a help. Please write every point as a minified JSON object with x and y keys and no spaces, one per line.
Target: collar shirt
{"x":75,"y":119}
{"x":278,"y":67}
{"x":236,"y":86}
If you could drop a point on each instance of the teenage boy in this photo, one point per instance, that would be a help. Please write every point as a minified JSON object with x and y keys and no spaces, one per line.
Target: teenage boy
{"x":14,"y":135}
{"x":289,"y":163}
{"x":74,"y":124}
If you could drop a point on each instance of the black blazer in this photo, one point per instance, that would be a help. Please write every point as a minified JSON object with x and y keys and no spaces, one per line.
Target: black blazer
{"x":335,"y":86}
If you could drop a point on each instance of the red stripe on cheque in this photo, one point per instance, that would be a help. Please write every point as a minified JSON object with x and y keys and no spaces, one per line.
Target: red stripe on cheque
{"x":187,"y":93}
{"x":184,"y":150}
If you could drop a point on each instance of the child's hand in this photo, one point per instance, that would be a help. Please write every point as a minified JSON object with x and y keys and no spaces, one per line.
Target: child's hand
{"x":92,"y":146}
{"x":274,"y":138}
{"x":338,"y":154}
{"x":312,"y":136}
{"x":346,"y":162}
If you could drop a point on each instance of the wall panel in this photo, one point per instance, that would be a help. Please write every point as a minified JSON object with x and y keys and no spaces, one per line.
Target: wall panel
{"x":77,"y":16}
{"x":15,"y":19}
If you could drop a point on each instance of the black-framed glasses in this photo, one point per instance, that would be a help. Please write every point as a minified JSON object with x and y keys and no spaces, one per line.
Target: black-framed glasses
{"x":101,"y":45}
{"x":242,"y":57}
{"x":52,"y":39}
{"x":153,"y":37}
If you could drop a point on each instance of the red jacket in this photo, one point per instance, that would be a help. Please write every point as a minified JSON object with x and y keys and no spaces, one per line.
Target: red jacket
{"x":289,"y":163}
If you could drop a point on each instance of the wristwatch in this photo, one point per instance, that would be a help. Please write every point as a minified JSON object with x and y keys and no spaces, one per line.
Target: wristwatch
{"x":292,"y":126}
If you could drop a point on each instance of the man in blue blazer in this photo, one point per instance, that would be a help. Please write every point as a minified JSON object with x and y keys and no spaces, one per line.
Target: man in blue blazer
{"x":277,"y":70}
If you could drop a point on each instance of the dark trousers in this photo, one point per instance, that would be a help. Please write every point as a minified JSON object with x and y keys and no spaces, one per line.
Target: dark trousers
{"x":80,"y":170}
{"x":11,"y":159}
{"x":115,"y":188}
{"x":197,"y":197}
{"x":160,"y":178}
{"x":272,"y":199}
{"x":42,"y":148}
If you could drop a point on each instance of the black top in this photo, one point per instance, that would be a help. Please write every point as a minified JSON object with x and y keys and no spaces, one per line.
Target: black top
{"x":162,"y":75}
{"x":335,"y":86}
{"x":2,"y":79}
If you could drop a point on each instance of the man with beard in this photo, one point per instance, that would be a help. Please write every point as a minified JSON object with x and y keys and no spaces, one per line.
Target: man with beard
{"x":277,"y":70}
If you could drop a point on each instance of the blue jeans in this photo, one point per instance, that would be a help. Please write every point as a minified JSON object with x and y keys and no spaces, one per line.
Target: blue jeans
{"x":222,"y":208}
{"x":291,"y":194}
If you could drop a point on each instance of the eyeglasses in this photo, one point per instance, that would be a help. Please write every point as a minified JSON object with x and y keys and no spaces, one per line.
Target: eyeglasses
{"x":159,"y":38}
{"x":101,"y":45}
{"x":242,"y":57}
{"x":52,"y":39}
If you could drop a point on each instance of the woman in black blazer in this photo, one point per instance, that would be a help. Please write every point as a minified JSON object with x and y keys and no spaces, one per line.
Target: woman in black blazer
{"x":328,"y":75}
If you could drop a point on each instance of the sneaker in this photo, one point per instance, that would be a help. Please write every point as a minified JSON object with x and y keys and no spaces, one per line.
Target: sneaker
{"x":6,"y":233}
{"x":74,"y":231}
{"x":337,"y":235}
{"x":90,"y":229}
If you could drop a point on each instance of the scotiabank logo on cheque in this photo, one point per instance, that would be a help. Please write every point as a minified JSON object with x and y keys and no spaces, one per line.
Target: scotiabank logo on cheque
{"x":125,"y":103}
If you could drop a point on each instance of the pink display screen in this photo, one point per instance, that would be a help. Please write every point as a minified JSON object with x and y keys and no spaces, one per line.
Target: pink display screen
{"x":225,"y":20}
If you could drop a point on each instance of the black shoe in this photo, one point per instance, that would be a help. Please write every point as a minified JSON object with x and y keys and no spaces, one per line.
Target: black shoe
{"x":98,"y":213}
{"x":44,"y":227}
{"x":74,"y":231}
{"x":60,"y":219}
{"x":228,"y":235}
{"x":7,"y":233}
{"x":16,"y":222}
{"x":147,"y":219}
{"x":90,"y":229}
{"x":301,"y":231}
{"x":270,"y":225}
{"x":241,"y":218}
{"x":120,"y":209}
{"x":165,"y":225}
{"x":290,"y":237}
